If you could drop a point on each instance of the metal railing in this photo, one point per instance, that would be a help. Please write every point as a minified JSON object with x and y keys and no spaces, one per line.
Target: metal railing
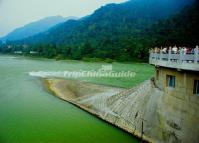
{"x":180,"y":56}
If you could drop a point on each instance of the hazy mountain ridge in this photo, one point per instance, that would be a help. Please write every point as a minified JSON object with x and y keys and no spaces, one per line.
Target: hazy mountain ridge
{"x":36,"y":27}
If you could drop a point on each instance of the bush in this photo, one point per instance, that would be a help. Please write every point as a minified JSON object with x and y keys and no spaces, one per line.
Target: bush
{"x":60,"y":57}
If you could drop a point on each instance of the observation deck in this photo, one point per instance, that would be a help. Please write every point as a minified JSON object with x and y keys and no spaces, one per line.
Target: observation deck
{"x":177,"y":60}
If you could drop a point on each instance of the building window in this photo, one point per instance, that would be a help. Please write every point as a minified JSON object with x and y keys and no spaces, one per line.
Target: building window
{"x":171,"y":81}
{"x":196,"y":87}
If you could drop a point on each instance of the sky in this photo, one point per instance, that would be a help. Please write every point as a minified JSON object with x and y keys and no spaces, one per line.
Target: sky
{"x":17,"y":13}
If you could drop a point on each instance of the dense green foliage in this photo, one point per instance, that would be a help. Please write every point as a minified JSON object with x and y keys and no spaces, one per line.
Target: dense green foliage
{"x":180,"y":30}
{"x":122,"y":32}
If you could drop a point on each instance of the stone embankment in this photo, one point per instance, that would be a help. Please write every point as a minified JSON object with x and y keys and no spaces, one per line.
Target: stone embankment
{"x":164,"y":118}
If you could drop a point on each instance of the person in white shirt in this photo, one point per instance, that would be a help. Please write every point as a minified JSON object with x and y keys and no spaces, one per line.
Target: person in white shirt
{"x":175,"y":50}
{"x":164,"y":50}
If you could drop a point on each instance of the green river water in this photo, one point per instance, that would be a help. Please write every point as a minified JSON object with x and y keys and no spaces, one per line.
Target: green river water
{"x":28,"y":114}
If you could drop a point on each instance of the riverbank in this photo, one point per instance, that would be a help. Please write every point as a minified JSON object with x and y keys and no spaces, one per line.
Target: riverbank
{"x":129,"y":109}
{"x":91,"y":98}
{"x":85,"y":59}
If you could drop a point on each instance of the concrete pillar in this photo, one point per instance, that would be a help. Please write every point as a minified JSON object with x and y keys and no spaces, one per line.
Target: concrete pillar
{"x":161,"y":53}
{"x":196,"y":57}
{"x":169,"y":56}
{"x":156,"y":56}
{"x":181,"y":56}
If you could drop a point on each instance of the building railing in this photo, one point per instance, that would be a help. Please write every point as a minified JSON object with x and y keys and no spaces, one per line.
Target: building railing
{"x":175,"y":56}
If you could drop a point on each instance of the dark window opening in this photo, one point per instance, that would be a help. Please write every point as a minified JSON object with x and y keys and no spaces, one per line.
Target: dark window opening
{"x":171,"y":81}
{"x":196,"y":87}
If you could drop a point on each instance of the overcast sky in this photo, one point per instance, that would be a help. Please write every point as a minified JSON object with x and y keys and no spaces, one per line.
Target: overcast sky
{"x":16,"y":13}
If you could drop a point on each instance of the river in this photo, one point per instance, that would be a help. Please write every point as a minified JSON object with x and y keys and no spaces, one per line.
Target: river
{"x":29,"y":114}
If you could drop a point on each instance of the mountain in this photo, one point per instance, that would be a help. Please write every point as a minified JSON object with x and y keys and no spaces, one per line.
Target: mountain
{"x":111,"y":20}
{"x":122,"y":32}
{"x":181,"y":29}
{"x":35,"y":28}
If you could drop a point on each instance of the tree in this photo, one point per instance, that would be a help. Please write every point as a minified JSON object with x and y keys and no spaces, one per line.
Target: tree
{"x":87,"y":50}
{"x":76,"y":53}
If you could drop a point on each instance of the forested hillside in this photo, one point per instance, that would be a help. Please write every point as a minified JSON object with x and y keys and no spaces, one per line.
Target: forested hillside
{"x":122,"y":32}
{"x":181,"y":29}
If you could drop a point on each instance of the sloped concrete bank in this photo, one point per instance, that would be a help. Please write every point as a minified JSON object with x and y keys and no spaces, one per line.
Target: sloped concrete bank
{"x":164,"y":118}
